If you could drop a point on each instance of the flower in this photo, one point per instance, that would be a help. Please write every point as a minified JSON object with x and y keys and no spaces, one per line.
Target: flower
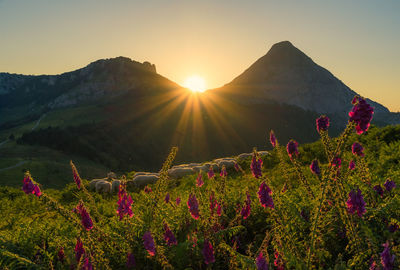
{"x":193,"y":206}
{"x":213,"y":202}
{"x":393,"y":228}
{"x":61,"y":255}
{"x":167,"y":197}
{"x":352,"y":165}
{"x":361,"y":114}
{"x":387,"y":260}
{"x":79,"y":250}
{"x":169,"y":237}
{"x":264,"y":193}
{"x":208,"y":252}
{"x":379,"y":190}
{"x":223,"y":173}
{"x":256,"y":165}
{"x":178,"y":200}
{"x":322,"y":123}
{"x":125,"y":206}
{"x":336,"y":162}
{"x":291,"y":148}
{"x":87,"y":265}
{"x":389,"y":185}
{"x":237,"y":168}
{"x":29,"y":187}
{"x":199,"y":180}
{"x":278,"y":262}
{"x":219,"y":209}
{"x":356,"y":203}
{"x":85,"y":217}
{"x":247,"y":207}
{"x":75,"y":174}
{"x":357,"y":149}
{"x":130,"y":261}
{"x":272,"y":138}
{"x":261,"y":262}
{"x":147,"y":189}
{"x":210,"y":172}
{"x":148,"y":243}
{"x":314,"y":167}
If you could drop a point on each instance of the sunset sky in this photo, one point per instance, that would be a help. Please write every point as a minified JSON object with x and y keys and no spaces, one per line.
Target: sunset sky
{"x":358,"y":41}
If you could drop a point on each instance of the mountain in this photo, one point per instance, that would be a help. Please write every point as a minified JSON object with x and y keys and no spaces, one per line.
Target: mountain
{"x":125,"y":116}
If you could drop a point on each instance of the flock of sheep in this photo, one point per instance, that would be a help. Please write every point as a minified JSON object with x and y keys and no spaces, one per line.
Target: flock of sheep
{"x":140,"y":179}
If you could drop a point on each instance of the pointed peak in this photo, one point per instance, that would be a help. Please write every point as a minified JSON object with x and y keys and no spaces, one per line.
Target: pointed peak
{"x":283,"y":44}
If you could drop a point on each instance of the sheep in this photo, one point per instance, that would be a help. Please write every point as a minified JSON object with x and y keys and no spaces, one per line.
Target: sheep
{"x":263,"y":153}
{"x":92,"y":184}
{"x":143,"y":180}
{"x":179,"y":172}
{"x":103,"y":186}
{"x":244,"y":156}
{"x":229,"y":163}
{"x":115,"y":185}
{"x":145,"y":173}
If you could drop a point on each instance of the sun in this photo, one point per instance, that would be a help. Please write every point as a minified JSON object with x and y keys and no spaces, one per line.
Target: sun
{"x":195,"y":83}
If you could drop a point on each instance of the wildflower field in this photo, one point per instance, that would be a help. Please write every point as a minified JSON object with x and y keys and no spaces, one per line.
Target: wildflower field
{"x":332,"y":204}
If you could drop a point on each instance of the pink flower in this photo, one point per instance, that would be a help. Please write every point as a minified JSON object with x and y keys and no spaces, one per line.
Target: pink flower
{"x":125,"y":206}
{"x":256,"y":165}
{"x":264,"y":195}
{"x":193,"y":206}
{"x":278,"y":262}
{"x":87,"y":265}
{"x":199,"y":180}
{"x":356,"y":203}
{"x":361,"y":114}
{"x":291,"y":148}
{"x":261,"y":262}
{"x":167,"y":197}
{"x":322,"y":123}
{"x":387,"y":260}
{"x":29,"y":187}
{"x":61,"y":255}
{"x":147,"y":189}
{"x":169,"y":237}
{"x":130,"y":261}
{"x":219,"y":209}
{"x":208,"y":252}
{"x":79,"y":250}
{"x":314,"y":167}
{"x":75,"y":174}
{"x":357,"y":149}
{"x":336,"y":162}
{"x":178,"y":201}
{"x":148,"y":243}
{"x":245,"y":212}
{"x":272,"y":138}
{"x":210,"y":173}
{"x":223,"y":173}
{"x":237,"y":167}
{"x":85,"y":217}
{"x":352,"y":165}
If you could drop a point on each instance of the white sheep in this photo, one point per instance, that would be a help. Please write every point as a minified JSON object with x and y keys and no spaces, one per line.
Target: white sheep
{"x":103,"y":186}
{"x":179,"y":172}
{"x":115,"y":185}
{"x":143,"y":180}
{"x":92,"y":184}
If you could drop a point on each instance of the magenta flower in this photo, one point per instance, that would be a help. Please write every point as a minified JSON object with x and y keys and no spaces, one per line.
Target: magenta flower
{"x":354,"y":100}
{"x":261,"y":262}
{"x":223,"y":172}
{"x":389,"y":185}
{"x":314,"y":167}
{"x":356,"y":203}
{"x":75,"y":174}
{"x":130,"y":261}
{"x":29,"y":187}
{"x":387,"y":260}
{"x":148,"y":243}
{"x":178,"y":200}
{"x":169,"y":237}
{"x":147,"y":189}
{"x":167,"y":198}
{"x":210,"y":173}
{"x":361,"y":114}
{"x":193,"y":206}
{"x":292,"y":149}
{"x":352,"y":165}
{"x":322,"y":123}
{"x":208,"y":252}
{"x":85,"y":217}
{"x":87,"y":265}
{"x":79,"y":250}
{"x":237,"y":167}
{"x":61,"y":255}
{"x":278,"y":262}
{"x":379,"y":190}
{"x":264,"y":195}
{"x":336,"y":162}
{"x":219,"y":209}
{"x":272,"y":138}
{"x":199,"y":180}
{"x":246,"y":209}
{"x":256,"y":165}
{"x":357,"y":149}
{"x":125,"y":206}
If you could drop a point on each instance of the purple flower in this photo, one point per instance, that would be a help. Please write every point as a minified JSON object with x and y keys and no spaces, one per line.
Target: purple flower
{"x":361,"y":114}
{"x":210,"y":173}
{"x":356,"y":203}
{"x":387,"y":260}
{"x":354,"y":100}
{"x":29,"y":187}
{"x":264,"y":195}
{"x":75,"y":174}
{"x":247,"y":207}
{"x":219,"y":209}
{"x":373,"y":265}
{"x":256,"y":165}
{"x":208,"y":252}
{"x":389,"y":185}
{"x":193,"y":206}
{"x":322,"y":123}
{"x":314,"y":167}
{"x":199,"y":180}
{"x":223,"y":172}
{"x":85,"y":217}
{"x":352,"y":165}
{"x":379,"y":190}
{"x":87,"y":265}
{"x":272,"y":138}
{"x":261,"y":262}
{"x":61,"y":255}
{"x":125,"y":206}
{"x":178,"y":200}
{"x":357,"y":149}
{"x":237,"y":168}
{"x":292,"y":148}
{"x":130,"y":261}
{"x":169,"y":237}
{"x":393,"y":228}
{"x":336,"y":162}
{"x":79,"y":250}
{"x":148,"y":243}
{"x":167,"y":197}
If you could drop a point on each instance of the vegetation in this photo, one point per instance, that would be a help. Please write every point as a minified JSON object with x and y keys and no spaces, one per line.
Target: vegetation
{"x":277,"y":212}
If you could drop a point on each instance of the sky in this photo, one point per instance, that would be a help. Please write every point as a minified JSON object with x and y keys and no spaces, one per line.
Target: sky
{"x":358,"y":41}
